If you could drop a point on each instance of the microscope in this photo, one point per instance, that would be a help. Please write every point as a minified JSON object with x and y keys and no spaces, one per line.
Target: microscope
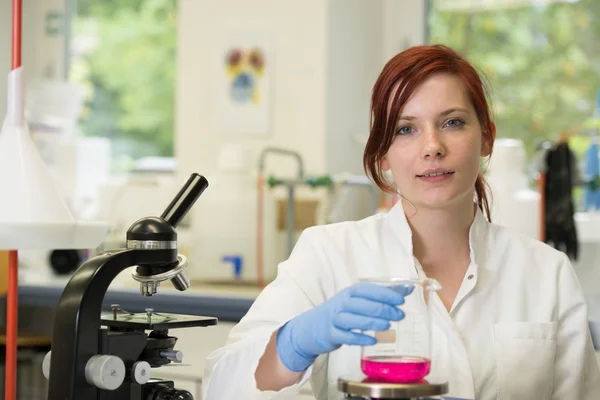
{"x":110,"y":355}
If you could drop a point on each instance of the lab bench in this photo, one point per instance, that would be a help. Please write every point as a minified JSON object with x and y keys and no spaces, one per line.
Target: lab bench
{"x":228,"y":302}
{"x":39,"y":297}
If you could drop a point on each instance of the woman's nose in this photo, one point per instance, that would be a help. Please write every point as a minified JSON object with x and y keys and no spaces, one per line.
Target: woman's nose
{"x":432,"y":144}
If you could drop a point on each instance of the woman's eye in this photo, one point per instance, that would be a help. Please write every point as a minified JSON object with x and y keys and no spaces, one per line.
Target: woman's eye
{"x":404,"y":130}
{"x":455,"y":123}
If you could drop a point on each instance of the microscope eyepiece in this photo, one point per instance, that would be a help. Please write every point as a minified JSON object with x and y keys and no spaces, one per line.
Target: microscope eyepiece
{"x":158,"y":233}
{"x":162,"y":229}
{"x":185,"y":199}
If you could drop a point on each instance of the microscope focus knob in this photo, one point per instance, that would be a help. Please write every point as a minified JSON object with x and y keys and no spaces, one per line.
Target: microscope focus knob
{"x":141,"y":372}
{"x":46,"y":365}
{"x":105,"y":372}
{"x":173,"y":355}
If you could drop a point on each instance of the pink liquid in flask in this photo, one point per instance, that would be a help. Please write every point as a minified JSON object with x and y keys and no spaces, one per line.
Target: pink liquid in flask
{"x":400,"y":369}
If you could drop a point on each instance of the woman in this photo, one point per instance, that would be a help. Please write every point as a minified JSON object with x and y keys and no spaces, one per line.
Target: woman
{"x":510,"y":321}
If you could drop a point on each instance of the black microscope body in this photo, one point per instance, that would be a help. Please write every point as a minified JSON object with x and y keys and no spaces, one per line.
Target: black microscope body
{"x":101,"y":356}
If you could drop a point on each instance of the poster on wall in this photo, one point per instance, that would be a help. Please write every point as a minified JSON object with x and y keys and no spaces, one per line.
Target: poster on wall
{"x":247,"y":69}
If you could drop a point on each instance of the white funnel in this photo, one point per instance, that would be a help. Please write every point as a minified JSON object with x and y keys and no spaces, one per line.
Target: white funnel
{"x":33,"y":215}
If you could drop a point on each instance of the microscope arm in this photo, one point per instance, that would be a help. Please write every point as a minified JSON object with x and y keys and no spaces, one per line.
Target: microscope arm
{"x":75,"y":335}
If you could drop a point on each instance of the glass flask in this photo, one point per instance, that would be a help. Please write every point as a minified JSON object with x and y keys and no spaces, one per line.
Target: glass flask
{"x":402,"y":354}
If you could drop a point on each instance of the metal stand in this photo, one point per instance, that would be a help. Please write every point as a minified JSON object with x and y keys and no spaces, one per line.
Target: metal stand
{"x":356,"y":389}
{"x":290,"y":211}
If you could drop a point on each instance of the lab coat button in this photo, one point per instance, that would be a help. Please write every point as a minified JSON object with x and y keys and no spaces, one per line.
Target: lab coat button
{"x":470,"y":277}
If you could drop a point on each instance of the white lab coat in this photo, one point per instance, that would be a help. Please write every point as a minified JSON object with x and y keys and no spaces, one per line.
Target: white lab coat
{"x":518,"y":327}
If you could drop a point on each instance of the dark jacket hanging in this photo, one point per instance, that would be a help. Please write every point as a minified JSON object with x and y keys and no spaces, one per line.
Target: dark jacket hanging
{"x":561,"y":177}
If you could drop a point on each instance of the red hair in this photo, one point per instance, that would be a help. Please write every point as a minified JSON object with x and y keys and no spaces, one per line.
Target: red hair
{"x":408,"y":70}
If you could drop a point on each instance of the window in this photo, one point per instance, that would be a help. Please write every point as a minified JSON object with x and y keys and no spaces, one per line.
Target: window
{"x":124,"y":53}
{"x":541,"y":58}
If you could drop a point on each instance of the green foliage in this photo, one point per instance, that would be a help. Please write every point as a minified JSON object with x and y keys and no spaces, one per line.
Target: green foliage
{"x":129,"y":72}
{"x":542,"y":63}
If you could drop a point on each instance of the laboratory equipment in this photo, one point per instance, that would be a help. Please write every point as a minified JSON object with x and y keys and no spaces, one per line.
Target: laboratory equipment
{"x":325,"y":328}
{"x":226,"y":224}
{"x":402,"y":353}
{"x":290,"y":209}
{"x":514,"y":204}
{"x":33,"y":214}
{"x":397,"y":365}
{"x":109,"y":355}
{"x":340,"y":191}
{"x":370,"y":389}
{"x":145,"y":188}
{"x":335,"y":184}
{"x":52,"y":108}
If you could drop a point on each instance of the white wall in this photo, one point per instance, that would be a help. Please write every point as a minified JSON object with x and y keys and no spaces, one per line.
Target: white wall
{"x":362,"y":37}
{"x":353,"y":63}
{"x":298,"y":85}
{"x":42,"y":55}
{"x":403,"y":26}
{"x":5,"y":32}
{"x":326,"y":57}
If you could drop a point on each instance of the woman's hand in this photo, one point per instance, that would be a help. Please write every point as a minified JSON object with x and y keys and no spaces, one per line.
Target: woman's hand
{"x":363,"y":306}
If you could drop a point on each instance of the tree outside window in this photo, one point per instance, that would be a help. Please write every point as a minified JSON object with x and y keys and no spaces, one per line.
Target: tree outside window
{"x":542,"y":61}
{"x":124,"y":53}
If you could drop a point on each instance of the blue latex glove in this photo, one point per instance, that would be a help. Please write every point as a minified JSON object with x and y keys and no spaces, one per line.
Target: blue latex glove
{"x":363,"y":306}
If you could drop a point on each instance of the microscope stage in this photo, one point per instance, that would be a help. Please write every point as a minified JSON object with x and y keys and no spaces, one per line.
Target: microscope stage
{"x":154,"y":321}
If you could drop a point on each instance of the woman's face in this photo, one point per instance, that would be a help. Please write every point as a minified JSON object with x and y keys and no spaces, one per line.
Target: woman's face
{"x":434,"y":157}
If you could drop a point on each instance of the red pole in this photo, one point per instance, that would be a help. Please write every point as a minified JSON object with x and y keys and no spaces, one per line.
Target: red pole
{"x":542,"y":211}
{"x":260,"y":233}
{"x":12,"y":307}
{"x":16,"y":33}
{"x":10,"y":384}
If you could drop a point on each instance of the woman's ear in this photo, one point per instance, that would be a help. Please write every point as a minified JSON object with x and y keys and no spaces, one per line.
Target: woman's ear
{"x":384,"y":165}
{"x":488,"y":141}
{"x":486,"y":148}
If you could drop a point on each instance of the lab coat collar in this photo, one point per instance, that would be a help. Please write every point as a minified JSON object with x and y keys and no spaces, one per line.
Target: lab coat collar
{"x":477,"y":232}
{"x":478,"y":237}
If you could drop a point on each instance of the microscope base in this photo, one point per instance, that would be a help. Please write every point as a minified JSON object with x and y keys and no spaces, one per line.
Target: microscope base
{"x":159,"y":390}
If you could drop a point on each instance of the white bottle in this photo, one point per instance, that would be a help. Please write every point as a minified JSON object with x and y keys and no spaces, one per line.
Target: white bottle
{"x":514,"y":205}
{"x":225,"y":223}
